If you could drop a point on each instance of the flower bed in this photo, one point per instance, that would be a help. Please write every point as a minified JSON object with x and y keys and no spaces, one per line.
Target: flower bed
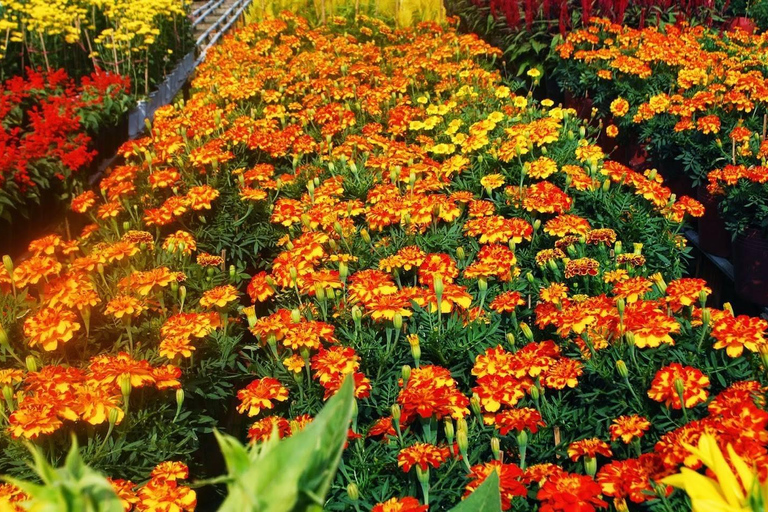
{"x":694,"y":97}
{"x":44,"y":135}
{"x":140,"y":39}
{"x":356,"y":200}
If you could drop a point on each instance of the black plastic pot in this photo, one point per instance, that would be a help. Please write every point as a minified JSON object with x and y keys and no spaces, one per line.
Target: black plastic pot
{"x":750,"y":265}
{"x":713,"y":238}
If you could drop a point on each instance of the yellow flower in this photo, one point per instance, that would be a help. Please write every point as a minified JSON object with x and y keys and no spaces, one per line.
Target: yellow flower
{"x":724,"y":492}
{"x":533,"y":73}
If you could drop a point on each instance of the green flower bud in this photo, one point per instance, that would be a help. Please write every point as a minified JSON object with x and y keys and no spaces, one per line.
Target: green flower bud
{"x":474,"y":404}
{"x":397,"y":321}
{"x":482,"y":284}
{"x":526,"y":331}
{"x":124,"y":382}
{"x":296,"y":315}
{"x":406,"y":374}
{"x":462,"y":440}
{"x":590,"y":465}
{"x":31,"y":364}
{"x":365,"y":236}
{"x":450,"y":431}
{"x":496,"y":448}
{"x":460,"y":253}
{"x":396,"y":413}
{"x":8,"y":264}
{"x":622,"y":368}
{"x":353,"y":492}
{"x":510,"y":339}
{"x":422,"y":474}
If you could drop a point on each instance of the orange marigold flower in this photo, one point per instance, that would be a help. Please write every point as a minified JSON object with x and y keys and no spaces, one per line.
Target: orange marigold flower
{"x":581,"y":267}
{"x":262,"y":430}
{"x":51,"y":326}
{"x":506,"y":302}
{"x":588,"y":448}
{"x":259,"y":289}
{"x":628,"y":479}
{"x":106,"y":370}
{"x":629,"y":427}
{"x":564,"y":372}
{"x":632,"y":289}
{"x":83,"y":202}
{"x":555,"y":293}
{"x":32,"y":420}
{"x":125,"y":305}
{"x":431,"y":391}
{"x":521,"y":419}
{"x":219,"y":296}
{"x":259,"y":395}
{"x":94,"y":404}
{"x":170,"y":471}
{"x":685,"y":292}
{"x":166,"y":495}
{"x":734,"y":334}
{"x":167,"y":377}
{"x":570,"y":492}
{"x":200,"y":198}
{"x":422,"y":455}
{"x":407,"y":504}
{"x":619,"y":107}
{"x":31,"y":271}
{"x":124,"y":491}
{"x":675,"y":380}
{"x":180,"y":241}
{"x":650,"y":324}
{"x":509,"y":480}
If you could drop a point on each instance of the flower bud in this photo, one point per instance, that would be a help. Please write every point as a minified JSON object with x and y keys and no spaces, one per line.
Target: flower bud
{"x":680,"y":388}
{"x":232,"y":271}
{"x":620,"y":305}
{"x":727,"y":306}
{"x":703,"y":298}
{"x":353,"y":491}
{"x":113,"y":416}
{"x":295,"y":315}
{"x":706,"y":317}
{"x":482,"y":284}
{"x":460,"y":254}
{"x":406,"y":374}
{"x":343,"y":271}
{"x":179,"y":398}
{"x":462,"y":440}
{"x":422,"y":474}
{"x":526,"y":331}
{"x":536,"y":225}
{"x":8,"y":264}
{"x":461,"y":425}
{"x":396,"y":413}
{"x":357,"y":315}
{"x":397,"y":321}
{"x":535,"y":393}
{"x":474,"y":404}
{"x":510,"y":339}
{"x":8,"y":396}
{"x":496,"y":448}
{"x":294,"y":274}
{"x":617,"y":247}
{"x":630,"y":336}
{"x":439,"y":287}
{"x":590,"y":465}
{"x":125,"y":385}
{"x":365,"y":236}
{"x":320,"y":292}
{"x":450,"y":431}
{"x":606,"y":185}
{"x":126,"y":225}
{"x":31,"y":364}
{"x":622,"y":368}
{"x":638,"y":247}
{"x":3,"y":337}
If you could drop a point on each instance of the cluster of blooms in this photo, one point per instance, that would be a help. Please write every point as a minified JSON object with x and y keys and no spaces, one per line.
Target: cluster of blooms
{"x":42,"y":134}
{"x":445,"y":243}
{"x":116,"y":35}
{"x":743,"y":192}
{"x":716,"y":82}
{"x":163,"y":491}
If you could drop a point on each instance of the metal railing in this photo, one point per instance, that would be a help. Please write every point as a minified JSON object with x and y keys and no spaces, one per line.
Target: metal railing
{"x":220,"y":26}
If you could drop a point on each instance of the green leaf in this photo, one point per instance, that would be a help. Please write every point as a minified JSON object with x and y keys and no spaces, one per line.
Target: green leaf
{"x":486,"y":497}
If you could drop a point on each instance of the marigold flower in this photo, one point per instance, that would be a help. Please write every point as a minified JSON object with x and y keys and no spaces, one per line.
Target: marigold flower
{"x":506,"y":302}
{"x":407,"y":504}
{"x":262,"y":430}
{"x":170,"y":471}
{"x":588,"y":448}
{"x":165,"y":495}
{"x":219,"y":296}
{"x":569,"y":491}
{"x":734,"y":334}
{"x":30,"y":421}
{"x":51,"y":326}
{"x":259,"y":395}
{"x":629,"y":427}
{"x":692,"y":381}
{"x":685,"y":292}
{"x":564,"y":372}
{"x":509,"y":480}
{"x":521,"y":419}
{"x":431,"y":391}
{"x":124,"y":305}
{"x":422,"y":455}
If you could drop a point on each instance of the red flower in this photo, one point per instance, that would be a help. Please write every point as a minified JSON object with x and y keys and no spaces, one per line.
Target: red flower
{"x":422,"y":455}
{"x":509,"y":480}
{"x":570,"y":492}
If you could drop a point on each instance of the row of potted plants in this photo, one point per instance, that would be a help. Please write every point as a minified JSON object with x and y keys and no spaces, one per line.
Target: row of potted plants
{"x":48,"y":121}
{"x":362,"y":202}
{"x":694,"y":99}
{"x":142,"y":40}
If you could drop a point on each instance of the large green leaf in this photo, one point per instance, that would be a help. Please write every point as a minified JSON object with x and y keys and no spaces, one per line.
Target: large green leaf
{"x":486,"y":497}
{"x":293,"y":474}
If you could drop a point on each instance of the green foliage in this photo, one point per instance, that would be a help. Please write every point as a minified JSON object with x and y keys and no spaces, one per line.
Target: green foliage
{"x":75,"y":487}
{"x":290,"y":475}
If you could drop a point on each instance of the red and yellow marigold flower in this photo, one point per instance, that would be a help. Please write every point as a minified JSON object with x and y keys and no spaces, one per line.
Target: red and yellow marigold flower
{"x":628,"y":428}
{"x":260,"y":394}
{"x":675,"y":382}
{"x":589,"y":448}
{"x":219,"y":296}
{"x":51,"y":326}
{"x":422,"y":455}
{"x":510,"y":486}
{"x":734,"y":334}
{"x":407,"y":504}
{"x":568,"y":492}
